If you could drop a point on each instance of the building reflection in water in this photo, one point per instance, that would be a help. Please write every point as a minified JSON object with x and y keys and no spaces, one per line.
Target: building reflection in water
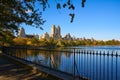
{"x":56,"y":60}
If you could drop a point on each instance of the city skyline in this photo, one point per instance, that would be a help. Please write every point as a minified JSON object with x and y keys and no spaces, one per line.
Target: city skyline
{"x":55,"y":34}
{"x":99,"y":19}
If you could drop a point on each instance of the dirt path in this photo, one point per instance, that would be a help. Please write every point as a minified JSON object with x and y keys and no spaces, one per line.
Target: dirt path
{"x":9,"y":70}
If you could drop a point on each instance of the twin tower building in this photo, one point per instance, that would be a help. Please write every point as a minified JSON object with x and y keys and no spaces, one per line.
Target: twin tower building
{"x":55,"y":33}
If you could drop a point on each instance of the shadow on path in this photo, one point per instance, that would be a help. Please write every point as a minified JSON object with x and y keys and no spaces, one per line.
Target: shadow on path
{"x":11,"y":70}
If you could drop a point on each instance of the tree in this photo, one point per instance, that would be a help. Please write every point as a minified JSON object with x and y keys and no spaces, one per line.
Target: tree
{"x":34,"y":41}
{"x":6,"y":38}
{"x":51,"y":43}
{"x":42,"y":42}
{"x":20,"y":41}
{"x":15,"y":12}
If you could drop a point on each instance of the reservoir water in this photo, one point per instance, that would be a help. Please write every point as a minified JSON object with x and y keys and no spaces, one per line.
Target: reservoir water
{"x":91,"y":62}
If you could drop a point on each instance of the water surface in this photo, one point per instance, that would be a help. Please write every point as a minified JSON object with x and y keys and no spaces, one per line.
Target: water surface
{"x":92,"y":62}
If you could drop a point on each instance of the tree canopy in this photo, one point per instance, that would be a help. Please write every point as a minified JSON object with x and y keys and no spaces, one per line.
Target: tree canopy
{"x":51,"y":43}
{"x":15,"y":12}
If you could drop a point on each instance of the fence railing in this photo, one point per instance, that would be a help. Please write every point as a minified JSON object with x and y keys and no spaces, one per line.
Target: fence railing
{"x":81,"y":63}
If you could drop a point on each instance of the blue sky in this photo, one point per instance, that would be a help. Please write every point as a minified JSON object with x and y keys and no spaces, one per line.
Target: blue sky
{"x":99,"y":19}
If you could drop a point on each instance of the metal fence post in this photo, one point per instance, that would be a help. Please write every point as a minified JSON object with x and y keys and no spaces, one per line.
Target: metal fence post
{"x":74,"y":63}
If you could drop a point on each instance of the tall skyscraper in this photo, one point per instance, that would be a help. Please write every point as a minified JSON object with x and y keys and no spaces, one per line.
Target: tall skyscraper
{"x":53,"y":31}
{"x":56,"y":32}
{"x":59,"y":31}
{"x":22,"y":33}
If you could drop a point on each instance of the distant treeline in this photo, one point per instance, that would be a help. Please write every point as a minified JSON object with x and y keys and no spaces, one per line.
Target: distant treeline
{"x":57,"y":43}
